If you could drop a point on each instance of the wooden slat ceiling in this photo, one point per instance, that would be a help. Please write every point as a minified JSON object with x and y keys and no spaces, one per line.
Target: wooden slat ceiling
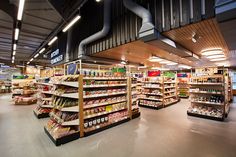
{"x":208,"y":30}
{"x":139,"y":52}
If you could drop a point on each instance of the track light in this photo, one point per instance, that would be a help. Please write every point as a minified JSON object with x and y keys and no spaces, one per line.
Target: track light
{"x":12,"y":61}
{"x":123,"y":62}
{"x":13,"y":57}
{"x":16,"y":33}
{"x":31,"y":59}
{"x":14,"y":47}
{"x":71,"y":23}
{"x":20,"y":9}
{"x":42,"y":50}
{"x":14,"y":53}
{"x":36,"y":55}
{"x":52,"y":41}
{"x":195,"y":37}
{"x":28,"y":62}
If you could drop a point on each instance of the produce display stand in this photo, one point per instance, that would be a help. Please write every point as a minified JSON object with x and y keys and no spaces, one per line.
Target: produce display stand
{"x":209,"y":93}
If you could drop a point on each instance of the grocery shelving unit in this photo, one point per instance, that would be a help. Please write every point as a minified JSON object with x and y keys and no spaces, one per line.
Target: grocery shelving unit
{"x":183,"y":85}
{"x":104,"y":103}
{"x":134,"y":98}
{"x":170,"y":89}
{"x":152,"y":93}
{"x":230,"y":89}
{"x":44,"y":105}
{"x":209,"y":96}
{"x":159,"y":92}
{"x":102,"y":100}
{"x":64,"y":115}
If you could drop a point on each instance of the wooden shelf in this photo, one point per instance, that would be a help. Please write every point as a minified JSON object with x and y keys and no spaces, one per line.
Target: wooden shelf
{"x":153,"y":94}
{"x":104,"y":78}
{"x":46,"y":92}
{"x":104,"y":113}
{"x":71,"y":84}
{"x":160,"y":100}
{"x":215,"y":84}
{"x":45,"y":84}
{"x":103,"y":95}
{"x":103,"y":104}
{"x":106,"y":85}
{"x":152,"y":87}
{"x":68,"y":95}
{"x":215,"y":93}
{"x":209,"y":103}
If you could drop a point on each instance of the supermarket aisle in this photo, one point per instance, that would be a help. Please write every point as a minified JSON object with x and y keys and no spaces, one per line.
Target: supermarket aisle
{"x":165,"y":133}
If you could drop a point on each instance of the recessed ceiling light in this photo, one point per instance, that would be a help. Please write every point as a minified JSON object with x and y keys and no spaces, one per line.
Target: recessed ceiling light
{"x":184,"y":66}
{"x":165,"y":62}
{"x":155,"y":59}
{"x":216,"y":56}
{"x":212,"y":52}
{"x":218,"y":59}
{"x":172,"y":63}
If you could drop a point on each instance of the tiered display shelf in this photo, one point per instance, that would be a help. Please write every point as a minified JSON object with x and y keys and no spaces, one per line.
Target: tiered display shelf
{"x":158,"y":92}
{"x":99,"y":102}
{"x":183,"y":85}
{"x":104,"y":102}
{"x":134,"y":98}
{"x":170,"y":90}
{"x":23,"y":92}
{"x":209,"y":96}
{"x":63,"y":125}
{"x":152,"y":93}
{"x":44,"y":101}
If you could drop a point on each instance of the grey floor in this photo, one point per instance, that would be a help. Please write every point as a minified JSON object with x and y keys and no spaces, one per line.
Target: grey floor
{"x":165,"y":133}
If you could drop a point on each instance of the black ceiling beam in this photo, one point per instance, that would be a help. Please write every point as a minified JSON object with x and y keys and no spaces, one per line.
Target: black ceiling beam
{"x":33,"y":32}
{"x":28,"y":14}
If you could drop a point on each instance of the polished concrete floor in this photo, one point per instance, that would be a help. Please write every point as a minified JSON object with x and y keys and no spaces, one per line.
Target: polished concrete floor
{"x":168,"y":132}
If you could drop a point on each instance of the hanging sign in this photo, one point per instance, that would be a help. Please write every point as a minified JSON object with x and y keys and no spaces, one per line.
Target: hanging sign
{"x":72,"y":69}
{"x":56,"y":57}
{"x":154,"y":73}
{"x":182,"y":75}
